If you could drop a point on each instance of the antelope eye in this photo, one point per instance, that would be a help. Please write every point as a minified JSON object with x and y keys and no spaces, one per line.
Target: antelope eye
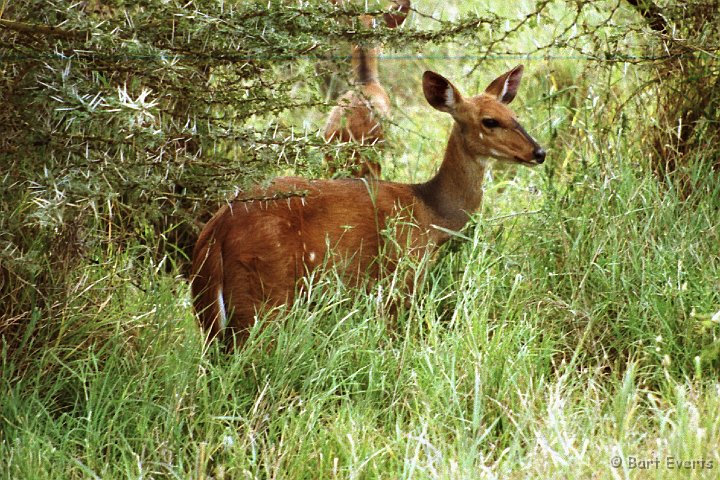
{"x":490,"y":122}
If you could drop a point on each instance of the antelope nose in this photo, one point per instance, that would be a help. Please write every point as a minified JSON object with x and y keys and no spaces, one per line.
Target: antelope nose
{"x":539,"y":155}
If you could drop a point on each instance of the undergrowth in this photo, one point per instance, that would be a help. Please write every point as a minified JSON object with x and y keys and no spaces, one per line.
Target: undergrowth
{"x":571,"y":324}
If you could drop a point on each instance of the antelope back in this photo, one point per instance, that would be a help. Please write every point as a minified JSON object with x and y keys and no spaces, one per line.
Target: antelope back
{"x":251,"y":254}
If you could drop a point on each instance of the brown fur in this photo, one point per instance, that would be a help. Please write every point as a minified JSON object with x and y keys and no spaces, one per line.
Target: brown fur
{"x":359,"y":114}
{"x":253,"y":252}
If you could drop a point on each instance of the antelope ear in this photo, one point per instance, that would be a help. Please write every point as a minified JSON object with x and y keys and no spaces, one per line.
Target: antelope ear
{"x":440,"y":93}
{"x":397,"y":14}
{"x":505,"y":87}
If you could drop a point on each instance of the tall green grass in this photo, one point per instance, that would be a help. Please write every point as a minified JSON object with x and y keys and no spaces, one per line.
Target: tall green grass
{"x":572,"y":324}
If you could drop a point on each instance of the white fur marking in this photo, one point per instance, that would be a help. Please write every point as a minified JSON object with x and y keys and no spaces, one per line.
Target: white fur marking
{"x":311,"y":256}
{"x":482,"y":137}
{"x":449,"y":97}
{"x":221,"y":309}
{"x":504,"y":90}
{"x":495,"y":152}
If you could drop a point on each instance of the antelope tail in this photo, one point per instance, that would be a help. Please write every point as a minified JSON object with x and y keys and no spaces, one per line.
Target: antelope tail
{"x":207,"y":286}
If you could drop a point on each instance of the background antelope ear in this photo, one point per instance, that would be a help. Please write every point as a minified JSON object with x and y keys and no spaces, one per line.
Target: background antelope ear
{"x":505,"y":87}
{"x":397,"y":14}
{"x":440,"y":93}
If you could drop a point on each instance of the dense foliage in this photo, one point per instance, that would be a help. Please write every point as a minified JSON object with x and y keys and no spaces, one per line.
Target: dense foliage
{"x":580,"y":296}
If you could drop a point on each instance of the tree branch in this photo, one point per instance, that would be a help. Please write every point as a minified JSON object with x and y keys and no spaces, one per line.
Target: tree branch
{"x":44,"y":30}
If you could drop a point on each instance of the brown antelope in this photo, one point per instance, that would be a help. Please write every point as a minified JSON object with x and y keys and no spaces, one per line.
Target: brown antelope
{"x":359,"y":113}
{"x":252,"y":254}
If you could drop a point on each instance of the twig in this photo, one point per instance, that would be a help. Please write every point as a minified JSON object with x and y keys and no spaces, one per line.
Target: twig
{"x":44,"y":30}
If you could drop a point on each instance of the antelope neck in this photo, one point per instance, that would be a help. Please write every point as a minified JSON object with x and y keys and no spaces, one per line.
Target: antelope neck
{"x":456,"y":190}
{"x":364,"y":62}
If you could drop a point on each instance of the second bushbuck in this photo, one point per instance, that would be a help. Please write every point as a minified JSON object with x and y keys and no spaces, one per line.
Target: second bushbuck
{"x":255,"y":251}
{"x":358,"y":116}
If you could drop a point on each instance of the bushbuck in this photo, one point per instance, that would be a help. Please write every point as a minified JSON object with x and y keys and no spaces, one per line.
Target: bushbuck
{"x":359,"y":113}
{"x":252,"y":255}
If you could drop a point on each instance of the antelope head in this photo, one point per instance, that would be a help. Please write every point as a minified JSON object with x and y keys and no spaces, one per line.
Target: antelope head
{"x":487,"y":126}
